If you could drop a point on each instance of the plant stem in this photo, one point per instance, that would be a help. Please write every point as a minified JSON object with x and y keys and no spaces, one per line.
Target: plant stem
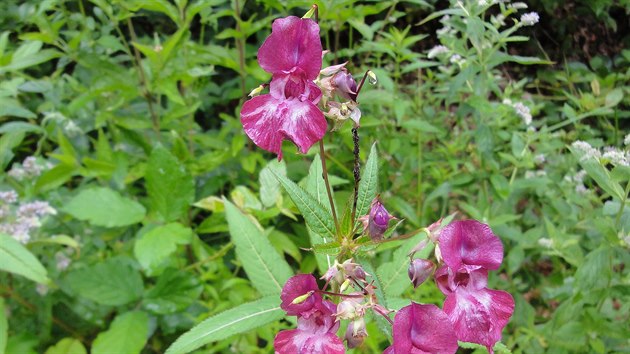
{"x":360,"y":86}
{"x":240,"y":47}
{"x":356,"y":172}
{"x":322,"y":156}
{"x":143,"y":81}
{"x":623,"y":204}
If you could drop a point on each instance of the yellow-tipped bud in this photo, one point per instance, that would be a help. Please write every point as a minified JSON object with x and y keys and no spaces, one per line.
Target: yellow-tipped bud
{"x":300,"y":299}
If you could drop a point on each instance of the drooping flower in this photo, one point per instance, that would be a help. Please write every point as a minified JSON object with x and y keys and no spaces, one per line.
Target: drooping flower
{"x":420,"y":329}
{"x":292,"y":54}
{"x":299,"y":295}
{"x":377,"y":221}
{"x":478,"y":314}
{"x":313,"y":335}
{"x":420,"y":270}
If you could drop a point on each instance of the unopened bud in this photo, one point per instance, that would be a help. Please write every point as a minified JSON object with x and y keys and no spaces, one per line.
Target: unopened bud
{"x":372,"y":77}
{"x":345,"y":85}
{"x":420,"y":270}
{"x":356,"y":333}
{"x":310,"y":12}
{"x":255,"y":92}
{"x":344,"y":286}
{"x":377,"y":221}
{"x":347,"y":310}
{"x":300,"y":299}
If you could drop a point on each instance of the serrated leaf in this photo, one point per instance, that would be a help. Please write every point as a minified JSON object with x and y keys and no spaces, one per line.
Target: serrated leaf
{"x":266,"y":269}
{"x":15,"y":258}
{"x":231,"y":322}
{"x":66,"y":346}
{"x":127,"y":334}
{"x":155,"y":246}
{"x":316,"y":186}
{"x":105,"y":207}
{"x":315,"y":215}
{"x":112,"y":282}
{"x":174,"y":291}
{"x":169,"y":185}
{"x":368,"y":183}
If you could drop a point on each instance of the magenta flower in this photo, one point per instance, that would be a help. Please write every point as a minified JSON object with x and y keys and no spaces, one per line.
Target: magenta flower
{"x":420,"y":329}
{"x":299,"y":295}
{"x":470,"y":249}
{"x":420,"y":270}
{"x":313,"y":335}
{"x":293,"y":54}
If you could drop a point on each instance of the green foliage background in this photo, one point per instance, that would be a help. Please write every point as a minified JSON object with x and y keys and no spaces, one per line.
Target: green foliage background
{"x":170,"y":216}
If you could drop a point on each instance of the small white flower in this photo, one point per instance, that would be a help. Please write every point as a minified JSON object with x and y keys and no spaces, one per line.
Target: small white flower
{"x":17,"y":173}
{"x":63,"y":261}
{"x":579,"y":177}
{"x":616,"y":157}
{"x":437,"y":50}
{"x":530,"y":19}
{"x":545,"y":242}
{"x":482,"y":3}
{"x":587,"y":151}
{"x":581,"y":189}
{"x":507,"y":101}
{"x":626,"y":140}
{"x":457,"y":59}
{"x":541,"y":173}
{"x":41,"y":289}
{"x":540,"y":159}
{"x":524,"y":112}
{"x":518,"y":5}
{"x":529,"y":174}
{"x":9,"y":197}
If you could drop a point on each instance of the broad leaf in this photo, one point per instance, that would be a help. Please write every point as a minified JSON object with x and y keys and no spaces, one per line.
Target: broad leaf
{"x":368,"y":183}
{"x":175,"y":290}
{"x":105,"y":207}
{"x":235,"y":321}
{"x":155,"y":246}
{"x":269,"y":185}
{"x":112,"y":282}
{"x":169,"y":185}
{"x":67,"y":346}
{"x":15,"y":258}
{"x":316,"y":216}
{"x":266,"y":269}
{"x":127,"y":334}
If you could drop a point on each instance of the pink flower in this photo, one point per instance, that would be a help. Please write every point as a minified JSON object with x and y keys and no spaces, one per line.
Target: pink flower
{"x":420,"y":329}
{"x":470,"y":249}
{"x":292,"y":53}
{"x":420,"y":270}
{"x":314,"y":335}
{"x":299,"y":295}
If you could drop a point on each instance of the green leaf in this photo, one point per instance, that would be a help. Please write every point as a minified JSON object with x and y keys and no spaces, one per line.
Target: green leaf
{"x":54,"y":177}
{"x":105,"y":207}
{"x":169,"y":185}
{"x":4,"y":326}
{"x":394,"y":272}
{"x":267,"y":270}
{"x":499,"y":347}
{"x":155,"y":246}
{"x":174,"y":291}
{"x":127,"y":334}
{"x":269,"y":185}
{"x":368,"y":183}
{"x":596,"y":270}
{"x":67,"y":346}
{"x":113,"y":282}
{"x":602,"y":177}
{"x":231,"y":322}
{"x":382,"y":323}
{"x":315,"y":214}
{"x":316,"y":186}
{"x":15,"y":258}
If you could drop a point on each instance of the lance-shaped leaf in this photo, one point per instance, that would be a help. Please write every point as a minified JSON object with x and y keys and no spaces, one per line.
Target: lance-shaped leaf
{"x":368,"y":183}
{"x":316,"y":186}
{"x":265,"y":267}
{"x":15,"y":258}
{"x":237,"y":320}
{"x":316,"y":216}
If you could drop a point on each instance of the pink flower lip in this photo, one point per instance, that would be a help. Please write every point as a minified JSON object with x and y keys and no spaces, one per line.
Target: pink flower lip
{"x":297,"y":286}
{"x":422,"y":329}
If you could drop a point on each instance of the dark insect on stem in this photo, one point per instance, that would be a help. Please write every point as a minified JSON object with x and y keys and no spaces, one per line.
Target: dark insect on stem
{"x":356,"y":171}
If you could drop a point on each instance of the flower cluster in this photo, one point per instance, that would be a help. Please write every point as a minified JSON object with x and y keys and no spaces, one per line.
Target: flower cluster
{"x":29,"y":168}
{"x":611,"y":154}
{"x":20,"y":219}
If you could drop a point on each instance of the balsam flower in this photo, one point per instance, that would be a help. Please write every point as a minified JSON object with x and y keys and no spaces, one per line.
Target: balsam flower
{"x":469,"y":250}
{"x":313,"y":335}
{"x":299,"y":295}
{"x":293,"y":54}
{"x":420,"y":329}
{"x":377,"y":221}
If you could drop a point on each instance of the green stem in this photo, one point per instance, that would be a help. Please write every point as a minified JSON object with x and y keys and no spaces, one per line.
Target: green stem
{"x":623,"y":205}
{"x":322,"y":156}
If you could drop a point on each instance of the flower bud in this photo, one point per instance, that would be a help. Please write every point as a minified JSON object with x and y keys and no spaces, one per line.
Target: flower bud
{"x":345,"y":85}
{"x":255,"y":92}
{"x":347,"y":310}
{"x":420,"y":270}
{"x":372,"y":77}
{"x":344,"y":286}
{"x":377,"y":221}
{"x":356,"y":333}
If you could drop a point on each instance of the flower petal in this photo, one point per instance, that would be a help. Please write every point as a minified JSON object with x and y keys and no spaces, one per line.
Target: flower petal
{"x":423,"y":329}
{"x":289,"y":341}
{"x":472,"y":243}
{"x":473,"y":277}
{"x":328,"y":343}
{"x":296,"y":286}
{"x":479,"y":316}
{"x":268,"y":121}
{"x":294,"y":46}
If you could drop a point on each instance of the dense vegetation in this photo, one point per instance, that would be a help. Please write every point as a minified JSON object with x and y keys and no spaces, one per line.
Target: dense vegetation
{"x":122,"y":154}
